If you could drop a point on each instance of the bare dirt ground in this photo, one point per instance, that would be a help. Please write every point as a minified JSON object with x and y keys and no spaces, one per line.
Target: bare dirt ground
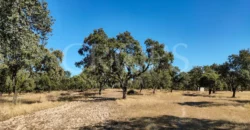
{"x":164,"y":110}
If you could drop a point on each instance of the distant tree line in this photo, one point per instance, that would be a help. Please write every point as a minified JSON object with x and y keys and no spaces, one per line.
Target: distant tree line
{"x":122,"y":62}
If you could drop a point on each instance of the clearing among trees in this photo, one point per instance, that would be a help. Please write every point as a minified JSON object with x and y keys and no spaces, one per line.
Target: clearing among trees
{"x":180,"y":110}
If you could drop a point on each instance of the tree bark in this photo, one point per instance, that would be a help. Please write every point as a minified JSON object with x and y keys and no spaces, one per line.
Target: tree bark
{"x":100,"y":89}
{"x":14,"y":90}
{"x":213,"y":90}
{"x":234,"y":92}
{"x":140,"y":88}
{"x":124,"y":96}
{"x":154,"y":90}
{"x":210,"y":90}
{"x":124,"y":89}
{"x":49,"y":88}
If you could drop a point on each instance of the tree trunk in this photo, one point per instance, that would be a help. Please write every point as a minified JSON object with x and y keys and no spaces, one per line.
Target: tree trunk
{"x":171,"y":90}
{"x":14,"y":90}
{"x":124,"y":96}
{"x":49,"y":88}
{"x":141,"y":86}
{"x":100,"y":89}
{"x":210,"y":90}
{"x":124,"y":89}
{"x":213,"y":90}
{"x":234,"y":92}
{"x":154,"y":90}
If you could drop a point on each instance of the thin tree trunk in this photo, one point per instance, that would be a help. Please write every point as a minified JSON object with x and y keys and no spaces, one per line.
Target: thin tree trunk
{"x":234,"y":92}
{"x":124,"y":88}
{"x":14,"y":90}
{"x":213,"y":89}
{"x":154,"y":90}
{"x":141,"y":86}
{"x":124,"y":96}
{"x":210,"y":90}
{"x":100,"y":89}
{"x":49,"y":89}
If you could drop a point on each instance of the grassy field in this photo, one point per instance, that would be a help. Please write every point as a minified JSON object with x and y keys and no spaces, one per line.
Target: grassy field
{"x":182,"y":110}
{"x":163,"y":110}
{"x":27,"y":103}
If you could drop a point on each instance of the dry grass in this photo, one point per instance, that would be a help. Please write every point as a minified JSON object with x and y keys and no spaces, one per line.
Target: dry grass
{"x":219,"y":106}
{"x":163,"y":110}
{"x":179,"y":110}
{"x":27,"y":103}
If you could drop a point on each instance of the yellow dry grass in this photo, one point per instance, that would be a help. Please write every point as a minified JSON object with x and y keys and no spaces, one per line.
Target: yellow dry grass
{"x":163,"y":110}
{"x":27,"y":103}
{"x":178,"y":110}
{"x":219,"y":106}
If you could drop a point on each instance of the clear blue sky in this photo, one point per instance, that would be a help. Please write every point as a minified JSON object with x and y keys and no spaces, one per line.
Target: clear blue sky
{"x":211,"y":29}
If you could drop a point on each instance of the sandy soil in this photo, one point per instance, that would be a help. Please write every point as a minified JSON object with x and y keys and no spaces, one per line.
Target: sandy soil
{"x":69,"y":116}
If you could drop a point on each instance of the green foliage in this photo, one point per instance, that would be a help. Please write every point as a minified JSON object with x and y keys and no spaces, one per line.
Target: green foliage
{"x":120,"y":59}
{"x":24,"y":82}
{"x":195,"y":75}
{"x":25,"y":63}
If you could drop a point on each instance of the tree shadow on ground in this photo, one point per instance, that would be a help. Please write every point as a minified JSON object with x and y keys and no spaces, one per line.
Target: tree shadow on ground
{"x":2,"y":100}
{"x":208,"y":104}
{"x":86,"y":97}
{"x":242,"y":101}
{"x":167,"y":122}
{"x":23,"y":101}
{"x":196,"y":95}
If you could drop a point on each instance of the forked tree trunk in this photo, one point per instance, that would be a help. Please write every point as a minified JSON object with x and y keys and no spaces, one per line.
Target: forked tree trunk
{"x":234,"y":92}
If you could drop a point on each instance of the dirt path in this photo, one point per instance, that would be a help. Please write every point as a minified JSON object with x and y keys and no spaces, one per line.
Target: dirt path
{"x":71,"y":115}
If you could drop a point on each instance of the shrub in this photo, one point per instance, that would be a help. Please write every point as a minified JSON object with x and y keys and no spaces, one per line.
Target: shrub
{"x":132,"y":92}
